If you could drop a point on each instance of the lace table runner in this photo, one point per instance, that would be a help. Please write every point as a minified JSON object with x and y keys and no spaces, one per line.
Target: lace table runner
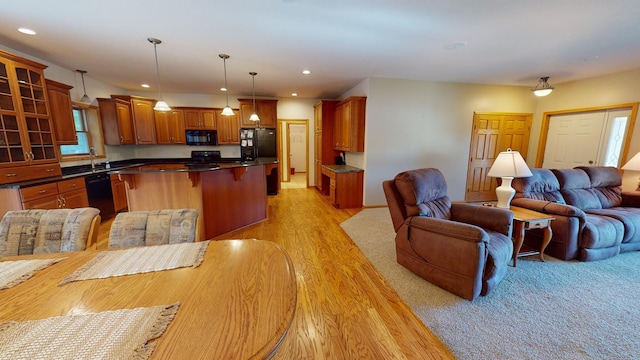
{"x":13,"y":273}
{"x":140,"y":260}
{"x":117,"y":334}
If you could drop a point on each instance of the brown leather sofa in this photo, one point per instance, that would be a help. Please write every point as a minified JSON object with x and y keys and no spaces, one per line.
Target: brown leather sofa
{"x":462,"y":248}
{"x":594,"y":219}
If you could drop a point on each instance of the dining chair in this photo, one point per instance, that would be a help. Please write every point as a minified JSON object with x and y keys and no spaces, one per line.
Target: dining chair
{"x":155,"y":227}
{"x":40,"y":231}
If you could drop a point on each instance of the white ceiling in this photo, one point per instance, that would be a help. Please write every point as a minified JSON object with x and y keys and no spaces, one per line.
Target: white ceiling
{"x":342,"y":42}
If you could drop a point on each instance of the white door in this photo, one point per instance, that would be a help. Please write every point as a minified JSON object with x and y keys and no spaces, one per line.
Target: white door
{"x":586,"y":139}
{"x":573,"y":140}
{"x":298,"y":147}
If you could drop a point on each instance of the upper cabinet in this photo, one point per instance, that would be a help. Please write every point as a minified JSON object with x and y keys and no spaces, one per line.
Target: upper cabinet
{"x":267,"y":111}
{"x":142,"y":116}
{"x":170,"y":127}
{"x":228,"y":128}
{"x":348,"y":129}
{"x":59,"y":97}
{"x":199,"y":118}
{"x":117,"y":125}
{"x":26,"y":134}
{"x":127,"y":120}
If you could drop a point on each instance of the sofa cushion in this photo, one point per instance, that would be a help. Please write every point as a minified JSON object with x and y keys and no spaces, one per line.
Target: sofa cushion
{"x":629,"y":217}
{"x":424,"y":192}
{"x":606,"y":182}
{"x":601,"y":232}
{"x":542,"y":185}
{"x":575,"y":186}
{"x":499,"y":253}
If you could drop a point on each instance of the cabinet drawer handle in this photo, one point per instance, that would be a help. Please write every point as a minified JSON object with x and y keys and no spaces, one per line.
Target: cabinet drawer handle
{"x":42,"y":191}
{"x":50,"y":170}
{"x":11,"y":175}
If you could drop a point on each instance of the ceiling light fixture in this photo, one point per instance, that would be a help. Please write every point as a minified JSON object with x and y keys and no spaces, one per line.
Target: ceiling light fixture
{"x":26,"y":31}
{"x":227,"y":109}
{"x":85,"y":98}
{"x":254,"y":116}
{"x":306,"y":72}
{"x":161,"y":105}
{"x":543,"y":88}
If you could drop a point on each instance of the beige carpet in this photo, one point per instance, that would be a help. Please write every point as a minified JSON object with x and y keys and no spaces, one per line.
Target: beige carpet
{"x":551,"y":310}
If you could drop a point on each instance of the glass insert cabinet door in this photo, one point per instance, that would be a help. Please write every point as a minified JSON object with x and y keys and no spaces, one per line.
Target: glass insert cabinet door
{"x":27,"y":135}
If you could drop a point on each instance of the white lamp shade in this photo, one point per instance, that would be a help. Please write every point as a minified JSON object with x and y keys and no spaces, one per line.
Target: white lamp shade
{"x":227,"y":111}
{"x":161,"y":105}
{"x":254,"y":117}
{"x":633,"y":164}
{"x":509,"y":164}
{"x":542,"y":92}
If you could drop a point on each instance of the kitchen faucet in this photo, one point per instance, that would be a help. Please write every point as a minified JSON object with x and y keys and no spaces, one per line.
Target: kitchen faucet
{"x":92,"y":153}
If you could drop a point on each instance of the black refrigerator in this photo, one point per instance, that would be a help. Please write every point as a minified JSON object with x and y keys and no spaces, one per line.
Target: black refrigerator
{"x":260,"y":143}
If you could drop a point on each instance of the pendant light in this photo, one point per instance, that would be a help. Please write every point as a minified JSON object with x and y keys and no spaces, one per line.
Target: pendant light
{"x":161,"y":105}
{"x":85,"y":98}
{"x":227,"y":109}
{"x":543,"y":88}
{"x":254,"y":116}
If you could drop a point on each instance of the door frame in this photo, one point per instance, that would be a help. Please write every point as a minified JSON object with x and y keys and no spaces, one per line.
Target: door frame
{"x":286,"y":170}
{"x":546,"y":118}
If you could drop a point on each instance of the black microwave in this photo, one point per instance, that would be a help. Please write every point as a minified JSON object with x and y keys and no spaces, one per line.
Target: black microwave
{"x":202,"y":137}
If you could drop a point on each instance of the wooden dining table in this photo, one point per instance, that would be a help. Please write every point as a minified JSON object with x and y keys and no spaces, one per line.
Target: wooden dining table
{"x":239,"y":303}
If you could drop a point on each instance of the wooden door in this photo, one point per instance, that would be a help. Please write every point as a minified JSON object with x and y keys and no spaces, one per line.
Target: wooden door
{"x":163,"y":136}
{"x":176,"y":127}
{"x":125,"y":124}
{"x":208,"y":119}
{"x":59,"y":98}
{"x":75,"y":199}
{"x":268,"y":110}
{"x":192,"y":119}
{"x":491,"y":134}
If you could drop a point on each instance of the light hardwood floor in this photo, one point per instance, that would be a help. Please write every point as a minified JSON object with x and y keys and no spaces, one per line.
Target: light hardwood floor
{"x":346,"y":309}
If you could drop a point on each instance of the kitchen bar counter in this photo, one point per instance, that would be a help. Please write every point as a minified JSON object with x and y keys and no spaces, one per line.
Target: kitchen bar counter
{"x":342,"y":168}
{"x":228,"y":196}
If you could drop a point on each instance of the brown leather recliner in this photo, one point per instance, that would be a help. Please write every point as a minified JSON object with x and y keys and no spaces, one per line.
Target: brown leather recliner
{"x":462,"y":248}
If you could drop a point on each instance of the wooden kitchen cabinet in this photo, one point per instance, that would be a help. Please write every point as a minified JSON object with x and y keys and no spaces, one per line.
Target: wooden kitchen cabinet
{"x":119,"y":194}
{"x":228,"y":128}
{"x":65,"y":194}
{"x":199,"y":118}
{"x":267,"y":111}
{"x":348,"y":130}
{"x":324,"y":154}
{"x":117,"y":124}
{"x":141,"y":110}
{"x":59,"y":97}
{"x":345,"y":184}
{"x":26,"y":132}
{"x":170,"y":127}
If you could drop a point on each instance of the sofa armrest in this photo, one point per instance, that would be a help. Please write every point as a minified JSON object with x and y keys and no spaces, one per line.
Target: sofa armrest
{"x":548,"y":207}
{"x":451,"y":229}
{"x":486,"y":217}
{"x":631,"y":198}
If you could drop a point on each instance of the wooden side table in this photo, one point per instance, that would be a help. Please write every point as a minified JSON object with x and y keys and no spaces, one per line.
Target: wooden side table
{"x":525,"y":219}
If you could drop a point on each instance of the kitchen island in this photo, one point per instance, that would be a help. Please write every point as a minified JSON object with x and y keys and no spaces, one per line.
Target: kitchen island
{"x":227,"y":195}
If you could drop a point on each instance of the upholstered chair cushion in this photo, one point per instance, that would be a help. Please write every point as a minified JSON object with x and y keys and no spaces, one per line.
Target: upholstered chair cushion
{"x":542,"y":185}
{"x":606,"y":183}
{"x":424,"y":192}
{"x":575,"y":187}
{"x":140,"y":228}
{"x":45,"y":231}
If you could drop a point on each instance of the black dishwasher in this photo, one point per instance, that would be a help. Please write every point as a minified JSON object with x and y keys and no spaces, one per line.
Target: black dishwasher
{"x":100,"y":194}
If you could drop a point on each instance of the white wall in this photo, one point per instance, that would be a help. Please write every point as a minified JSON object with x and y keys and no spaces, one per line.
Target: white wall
{"x":415,"y":124}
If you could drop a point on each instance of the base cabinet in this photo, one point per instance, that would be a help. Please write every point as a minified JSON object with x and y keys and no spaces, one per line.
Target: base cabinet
{"x":65,"y":194}
{"x":345,"y":187}
{"x":119,"y":194}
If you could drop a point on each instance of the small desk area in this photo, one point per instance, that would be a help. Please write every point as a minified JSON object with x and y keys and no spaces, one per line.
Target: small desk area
{"x":345,"y":184}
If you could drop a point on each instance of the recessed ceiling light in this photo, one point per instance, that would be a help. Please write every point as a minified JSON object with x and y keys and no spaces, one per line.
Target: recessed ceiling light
{"x":306,"y":72}
{"x":223,"y":89}
{"x":456,"y":45}
{"x":26,"y":31}
{"x":591,"y":58}
{"x":294,"y":94}
{"x":145,"y":85}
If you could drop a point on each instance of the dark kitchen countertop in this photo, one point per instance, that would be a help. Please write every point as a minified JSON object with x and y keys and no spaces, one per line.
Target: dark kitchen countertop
{"x":118,"y":166}
{"x":342,"y":168}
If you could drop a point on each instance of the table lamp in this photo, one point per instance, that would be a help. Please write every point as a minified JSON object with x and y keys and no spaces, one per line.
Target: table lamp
{"x":633,"y":165}
{"x":508,"y":165}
